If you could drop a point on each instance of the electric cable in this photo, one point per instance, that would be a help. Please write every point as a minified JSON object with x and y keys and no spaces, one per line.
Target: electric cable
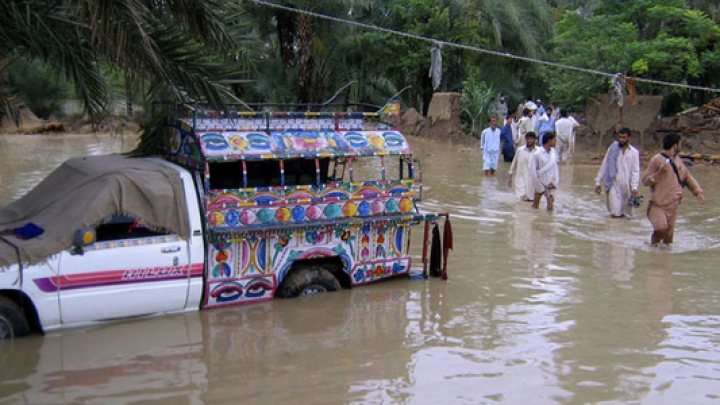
{"x":479,"y":49}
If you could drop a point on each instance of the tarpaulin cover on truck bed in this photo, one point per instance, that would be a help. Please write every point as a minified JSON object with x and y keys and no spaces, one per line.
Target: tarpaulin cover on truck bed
{"x":84,"y":191}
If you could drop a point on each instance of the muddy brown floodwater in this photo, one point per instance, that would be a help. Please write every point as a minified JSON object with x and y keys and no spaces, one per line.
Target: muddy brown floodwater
{"x":563,"y":308}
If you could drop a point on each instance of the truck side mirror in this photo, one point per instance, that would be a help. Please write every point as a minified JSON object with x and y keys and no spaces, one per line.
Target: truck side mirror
{"x":83,"y":237}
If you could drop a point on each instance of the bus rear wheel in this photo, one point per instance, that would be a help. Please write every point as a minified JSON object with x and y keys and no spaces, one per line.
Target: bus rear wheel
{"x":12,"y":320}
{"x":308,"y":280}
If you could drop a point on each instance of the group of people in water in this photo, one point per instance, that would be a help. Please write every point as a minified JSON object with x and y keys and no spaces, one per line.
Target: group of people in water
{"x":539,"y":139}
{"x":534,"y":171}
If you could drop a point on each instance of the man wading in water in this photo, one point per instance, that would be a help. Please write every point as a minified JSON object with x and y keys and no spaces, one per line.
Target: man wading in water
{"x":667,"y":176}
{"x":520,"y":177}
{"x":545,"y":172}
{"x":620,"y":174}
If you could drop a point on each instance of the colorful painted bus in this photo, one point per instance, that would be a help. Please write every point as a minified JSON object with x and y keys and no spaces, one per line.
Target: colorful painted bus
{"x":234,"y":209}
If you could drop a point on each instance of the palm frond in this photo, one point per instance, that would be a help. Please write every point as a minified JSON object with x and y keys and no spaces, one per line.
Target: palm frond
{"x":179,"y":47}
{"x":45,"y":31}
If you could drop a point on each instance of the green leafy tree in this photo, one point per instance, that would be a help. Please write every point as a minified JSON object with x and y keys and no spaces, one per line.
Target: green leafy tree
{"x":520,"y":27}
{"x":659,"y":40}
{"x":405,"y":61}
{"x":710,"y":7}
{"x":477,"y":103}
{"x":40,"y":88}
{"x":303,"y":60}
{"x":174,"y":49}
{"x":382,"y":64}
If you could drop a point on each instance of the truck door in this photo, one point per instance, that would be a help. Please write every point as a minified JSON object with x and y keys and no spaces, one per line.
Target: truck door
{"x":129,"y":271}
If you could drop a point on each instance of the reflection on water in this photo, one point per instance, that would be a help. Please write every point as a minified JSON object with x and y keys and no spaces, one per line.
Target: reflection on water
{"x":270,"y":353}
{"x":565,"y":307}
{"x":612,"y":257}
{"x":613,"y":261}
{"x":27,"y":159}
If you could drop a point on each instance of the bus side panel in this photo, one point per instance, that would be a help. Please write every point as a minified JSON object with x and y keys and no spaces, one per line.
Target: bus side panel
{"x":250,"y":269}
{"x":382,"y":253}
{"x":239,"y":272}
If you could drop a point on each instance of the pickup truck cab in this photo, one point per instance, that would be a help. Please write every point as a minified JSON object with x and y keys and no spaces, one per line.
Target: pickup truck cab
{"x":229,"y":211}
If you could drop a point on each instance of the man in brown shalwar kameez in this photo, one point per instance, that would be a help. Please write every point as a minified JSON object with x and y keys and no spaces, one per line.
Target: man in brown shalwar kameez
{"x":666,"y":176}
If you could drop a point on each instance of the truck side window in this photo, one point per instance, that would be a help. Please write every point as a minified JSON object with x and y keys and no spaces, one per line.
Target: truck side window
{"x":120,"y":227}
{"x":224,"y":175}
{"x":337,"y":170}
{"x":374,"y":168}
{"x":405,"y":167}
{"x":303,"y":171}
{"x":261,"y":173}
{"x":367,"y":168}
{"x":324,"y":165}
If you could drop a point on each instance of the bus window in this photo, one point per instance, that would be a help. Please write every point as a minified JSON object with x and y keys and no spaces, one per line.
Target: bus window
{"x":392,"y":168}
{"x":305,"y":171}
{"x":262,"y":173}
{"x":224,"y":175}
{"x":375,"y":168}
{"x":406,"y":167}
{"x":337,"y":170}
{"x":367,"y":168}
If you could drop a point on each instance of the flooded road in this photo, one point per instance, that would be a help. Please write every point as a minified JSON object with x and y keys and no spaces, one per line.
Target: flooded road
{"x":569,"y":307}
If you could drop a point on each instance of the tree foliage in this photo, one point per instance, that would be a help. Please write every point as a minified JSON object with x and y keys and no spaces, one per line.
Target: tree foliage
{"x":213,"y":51}
{"x":178,"y":49}
{"x":405,"y":61}
{"x":40,"y":88}
{"x":477,"y":103}
{"x":519,"y":27}
{"x":305,"y":59}
{"x":660,"y":40}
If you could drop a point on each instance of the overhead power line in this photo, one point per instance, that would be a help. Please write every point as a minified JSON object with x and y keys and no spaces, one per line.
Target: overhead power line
{"x":479,"y":49}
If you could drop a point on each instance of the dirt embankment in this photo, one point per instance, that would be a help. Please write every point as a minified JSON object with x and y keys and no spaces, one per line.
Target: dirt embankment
{"x":31,"y":124}
{"x":442,"y":122}
{"x":699,"y":128}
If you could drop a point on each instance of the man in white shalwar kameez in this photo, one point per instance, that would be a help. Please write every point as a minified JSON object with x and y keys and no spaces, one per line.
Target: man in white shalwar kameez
{"x":545,"y":172}
{"x":620,"y":174}
{"x":490,"y":146}
{"x":530,"y":105}
{"x":520,"y":178}
{"x":565,"y":128}
{"x":524,"y":126}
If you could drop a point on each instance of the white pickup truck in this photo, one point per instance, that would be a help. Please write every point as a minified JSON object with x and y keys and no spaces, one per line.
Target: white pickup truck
{"x":229,"y":211}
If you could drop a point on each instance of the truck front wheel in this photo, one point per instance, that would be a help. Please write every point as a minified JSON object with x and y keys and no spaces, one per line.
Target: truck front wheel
{"x":12,"y":320}
{"x":308,"y":280}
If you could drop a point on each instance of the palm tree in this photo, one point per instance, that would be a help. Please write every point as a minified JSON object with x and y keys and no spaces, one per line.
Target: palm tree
{"x":519,"y":26}
{"x":302,"y":44}
{"x":174,"y":48}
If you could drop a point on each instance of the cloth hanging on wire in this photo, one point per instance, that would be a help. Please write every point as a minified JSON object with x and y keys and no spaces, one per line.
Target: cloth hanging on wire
{"x":632,"y":90}
{"x":617,"y":90}
{"x":435,"y":73}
